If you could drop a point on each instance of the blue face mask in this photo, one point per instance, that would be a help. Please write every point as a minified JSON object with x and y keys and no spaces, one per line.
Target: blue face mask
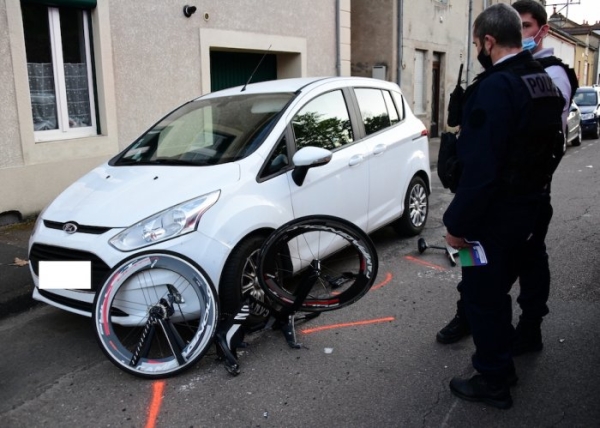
{"x":529,"y":43}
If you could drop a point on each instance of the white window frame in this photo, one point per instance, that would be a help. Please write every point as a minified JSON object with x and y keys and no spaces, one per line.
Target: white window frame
{"x":65,"y":132}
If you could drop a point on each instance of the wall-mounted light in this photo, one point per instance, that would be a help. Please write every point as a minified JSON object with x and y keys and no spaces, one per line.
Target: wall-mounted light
{"x":189,"y":10}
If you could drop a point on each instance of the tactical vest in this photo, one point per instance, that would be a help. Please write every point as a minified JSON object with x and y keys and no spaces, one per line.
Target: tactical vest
{"x":550,"y":61}
{"x":537,"y":150}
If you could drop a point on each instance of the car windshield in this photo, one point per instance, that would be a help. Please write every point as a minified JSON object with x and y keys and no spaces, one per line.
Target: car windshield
{"x":208,"y":132}
{"x":587,"y":98}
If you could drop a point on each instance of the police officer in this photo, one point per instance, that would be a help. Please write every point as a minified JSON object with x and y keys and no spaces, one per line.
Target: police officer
{"x":511,"y":112}
{"x":534,"y":273}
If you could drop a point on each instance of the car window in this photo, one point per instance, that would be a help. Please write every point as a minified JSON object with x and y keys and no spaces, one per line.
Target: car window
{"x":208,"y":131}
{"x":323,"y":122}
{"x":399,"y":104}
{"x":278,"y":160}
{"x":391,"y":108}
{"x":373,"y":109}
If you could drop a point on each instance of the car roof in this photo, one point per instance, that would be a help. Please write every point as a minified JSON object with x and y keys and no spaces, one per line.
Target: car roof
{"x":296,"y":84}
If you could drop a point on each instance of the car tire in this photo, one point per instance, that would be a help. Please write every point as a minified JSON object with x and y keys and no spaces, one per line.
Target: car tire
{"x":577,"y":140}
{"x":239,"y":277}
{"x":416,"y":209}
{"x":596,"y":133}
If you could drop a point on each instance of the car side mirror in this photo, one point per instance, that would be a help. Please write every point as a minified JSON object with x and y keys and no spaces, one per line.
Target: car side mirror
{"x":306,"y":158}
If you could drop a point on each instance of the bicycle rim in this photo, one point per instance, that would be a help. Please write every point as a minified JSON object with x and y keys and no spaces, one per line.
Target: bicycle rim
{"x":345,"y":256}
{"x":155,"y":315}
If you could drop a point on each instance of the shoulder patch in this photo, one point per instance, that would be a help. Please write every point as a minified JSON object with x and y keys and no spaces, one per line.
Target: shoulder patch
{"x":540,"y":85}
{"x":477,"y":118}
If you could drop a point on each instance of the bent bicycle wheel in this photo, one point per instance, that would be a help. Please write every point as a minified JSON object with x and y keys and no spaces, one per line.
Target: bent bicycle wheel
{"x":156,"y":315}
{"x":340,"y":256}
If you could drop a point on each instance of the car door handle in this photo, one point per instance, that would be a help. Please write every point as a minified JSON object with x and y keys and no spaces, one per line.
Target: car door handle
{"x":379,"y":149}
{"x":355,"y":160}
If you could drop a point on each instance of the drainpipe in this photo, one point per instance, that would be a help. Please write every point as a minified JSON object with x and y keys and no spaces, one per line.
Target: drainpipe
{"x":469,"y":39}
{"x":399,"y":41}
{"x":338,"y":53}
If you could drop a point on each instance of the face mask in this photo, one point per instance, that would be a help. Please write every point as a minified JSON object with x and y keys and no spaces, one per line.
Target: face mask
{"x":529,"y":43}
{"x":484,"y":59}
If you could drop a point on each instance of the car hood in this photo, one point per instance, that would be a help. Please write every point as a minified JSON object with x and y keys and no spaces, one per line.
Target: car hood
{"x":121,"y":196}
{"x":586,"y":109}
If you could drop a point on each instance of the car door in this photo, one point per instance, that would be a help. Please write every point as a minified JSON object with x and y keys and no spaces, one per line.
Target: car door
{"x":339,"y":188}
{"x":390,"y":140}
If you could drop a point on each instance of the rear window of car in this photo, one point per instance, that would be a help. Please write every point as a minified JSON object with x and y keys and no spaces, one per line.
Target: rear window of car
{"x":377,"y":109}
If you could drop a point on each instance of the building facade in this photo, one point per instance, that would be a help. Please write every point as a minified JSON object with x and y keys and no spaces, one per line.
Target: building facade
{"x":81,"y":79}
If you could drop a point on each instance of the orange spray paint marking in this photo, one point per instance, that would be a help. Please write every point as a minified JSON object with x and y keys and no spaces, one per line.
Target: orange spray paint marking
{"x":154,"y":409}
{"x":388,"y":278}
{"x":424,"y":263}
{"x":346,"y":324}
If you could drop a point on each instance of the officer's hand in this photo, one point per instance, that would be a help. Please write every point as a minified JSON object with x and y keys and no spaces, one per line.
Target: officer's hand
{"x":456,"y":242}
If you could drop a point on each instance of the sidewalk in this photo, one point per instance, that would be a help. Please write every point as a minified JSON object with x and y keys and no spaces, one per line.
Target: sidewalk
{"x":16,"y":284}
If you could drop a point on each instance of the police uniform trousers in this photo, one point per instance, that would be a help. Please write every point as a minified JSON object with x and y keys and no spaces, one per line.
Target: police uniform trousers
{"x":504,"y":234}
{"x":534,"y":272}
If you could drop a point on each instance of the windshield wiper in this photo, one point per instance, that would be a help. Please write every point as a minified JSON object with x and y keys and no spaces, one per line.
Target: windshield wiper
{"x":160,"y":161}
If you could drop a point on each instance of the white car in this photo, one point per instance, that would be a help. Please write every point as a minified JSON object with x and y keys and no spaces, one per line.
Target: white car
{"x":212,"y":179}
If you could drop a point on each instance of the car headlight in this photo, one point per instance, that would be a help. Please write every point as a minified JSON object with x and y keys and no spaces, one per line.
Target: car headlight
{"x":587,"y":116}
{"x":167,"y":224}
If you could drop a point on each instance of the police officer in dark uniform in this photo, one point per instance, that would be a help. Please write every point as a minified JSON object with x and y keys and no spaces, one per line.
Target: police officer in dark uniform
{"x":511,"y":113}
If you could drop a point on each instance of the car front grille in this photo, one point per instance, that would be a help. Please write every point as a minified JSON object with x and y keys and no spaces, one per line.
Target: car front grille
{"x":94,"y":230}
{"x":45,"y":253}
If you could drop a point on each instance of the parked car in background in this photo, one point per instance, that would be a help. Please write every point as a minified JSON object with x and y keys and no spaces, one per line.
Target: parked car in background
{"x":587,"y":99}
{"x":212,"y":179}
{"x":574,"y":133}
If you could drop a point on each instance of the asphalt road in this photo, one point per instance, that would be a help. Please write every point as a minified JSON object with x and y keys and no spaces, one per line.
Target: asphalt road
{"x":390,"y":373}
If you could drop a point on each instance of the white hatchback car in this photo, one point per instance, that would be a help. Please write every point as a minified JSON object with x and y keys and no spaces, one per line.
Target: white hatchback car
{"x":212,"y":179}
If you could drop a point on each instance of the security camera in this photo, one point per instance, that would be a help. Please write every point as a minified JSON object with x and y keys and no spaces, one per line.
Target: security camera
{"x":189,"y":10}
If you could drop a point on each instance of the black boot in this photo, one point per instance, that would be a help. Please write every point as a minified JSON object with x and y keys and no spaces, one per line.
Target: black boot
{"x":528,"y":336}
{"x":456,"y":329}
{"x":478,"y":388}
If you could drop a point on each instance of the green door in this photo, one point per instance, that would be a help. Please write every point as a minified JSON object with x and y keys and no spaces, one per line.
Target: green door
{"x":229,"y":69}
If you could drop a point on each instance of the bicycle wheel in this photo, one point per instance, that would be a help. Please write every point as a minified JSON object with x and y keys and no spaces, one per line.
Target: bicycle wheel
{"x":344,"y":257}
{"x":156,"y":315}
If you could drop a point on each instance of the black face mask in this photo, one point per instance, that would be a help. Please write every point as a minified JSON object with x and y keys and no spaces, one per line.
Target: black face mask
{"x":484,"y":59}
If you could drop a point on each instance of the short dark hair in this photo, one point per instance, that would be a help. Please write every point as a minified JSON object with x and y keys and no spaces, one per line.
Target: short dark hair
{"x":534,"y":8}
{"x":502,"y":22}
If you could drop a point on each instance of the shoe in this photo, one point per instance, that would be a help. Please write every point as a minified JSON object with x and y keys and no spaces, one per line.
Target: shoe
{"x":456,"y":329}
{"x":528,"y":337}
{"x":482,"y":390}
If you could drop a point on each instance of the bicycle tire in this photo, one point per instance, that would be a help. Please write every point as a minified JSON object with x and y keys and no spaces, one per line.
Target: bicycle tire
{"x":346,"y":256}
{"x":156,"y":314}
